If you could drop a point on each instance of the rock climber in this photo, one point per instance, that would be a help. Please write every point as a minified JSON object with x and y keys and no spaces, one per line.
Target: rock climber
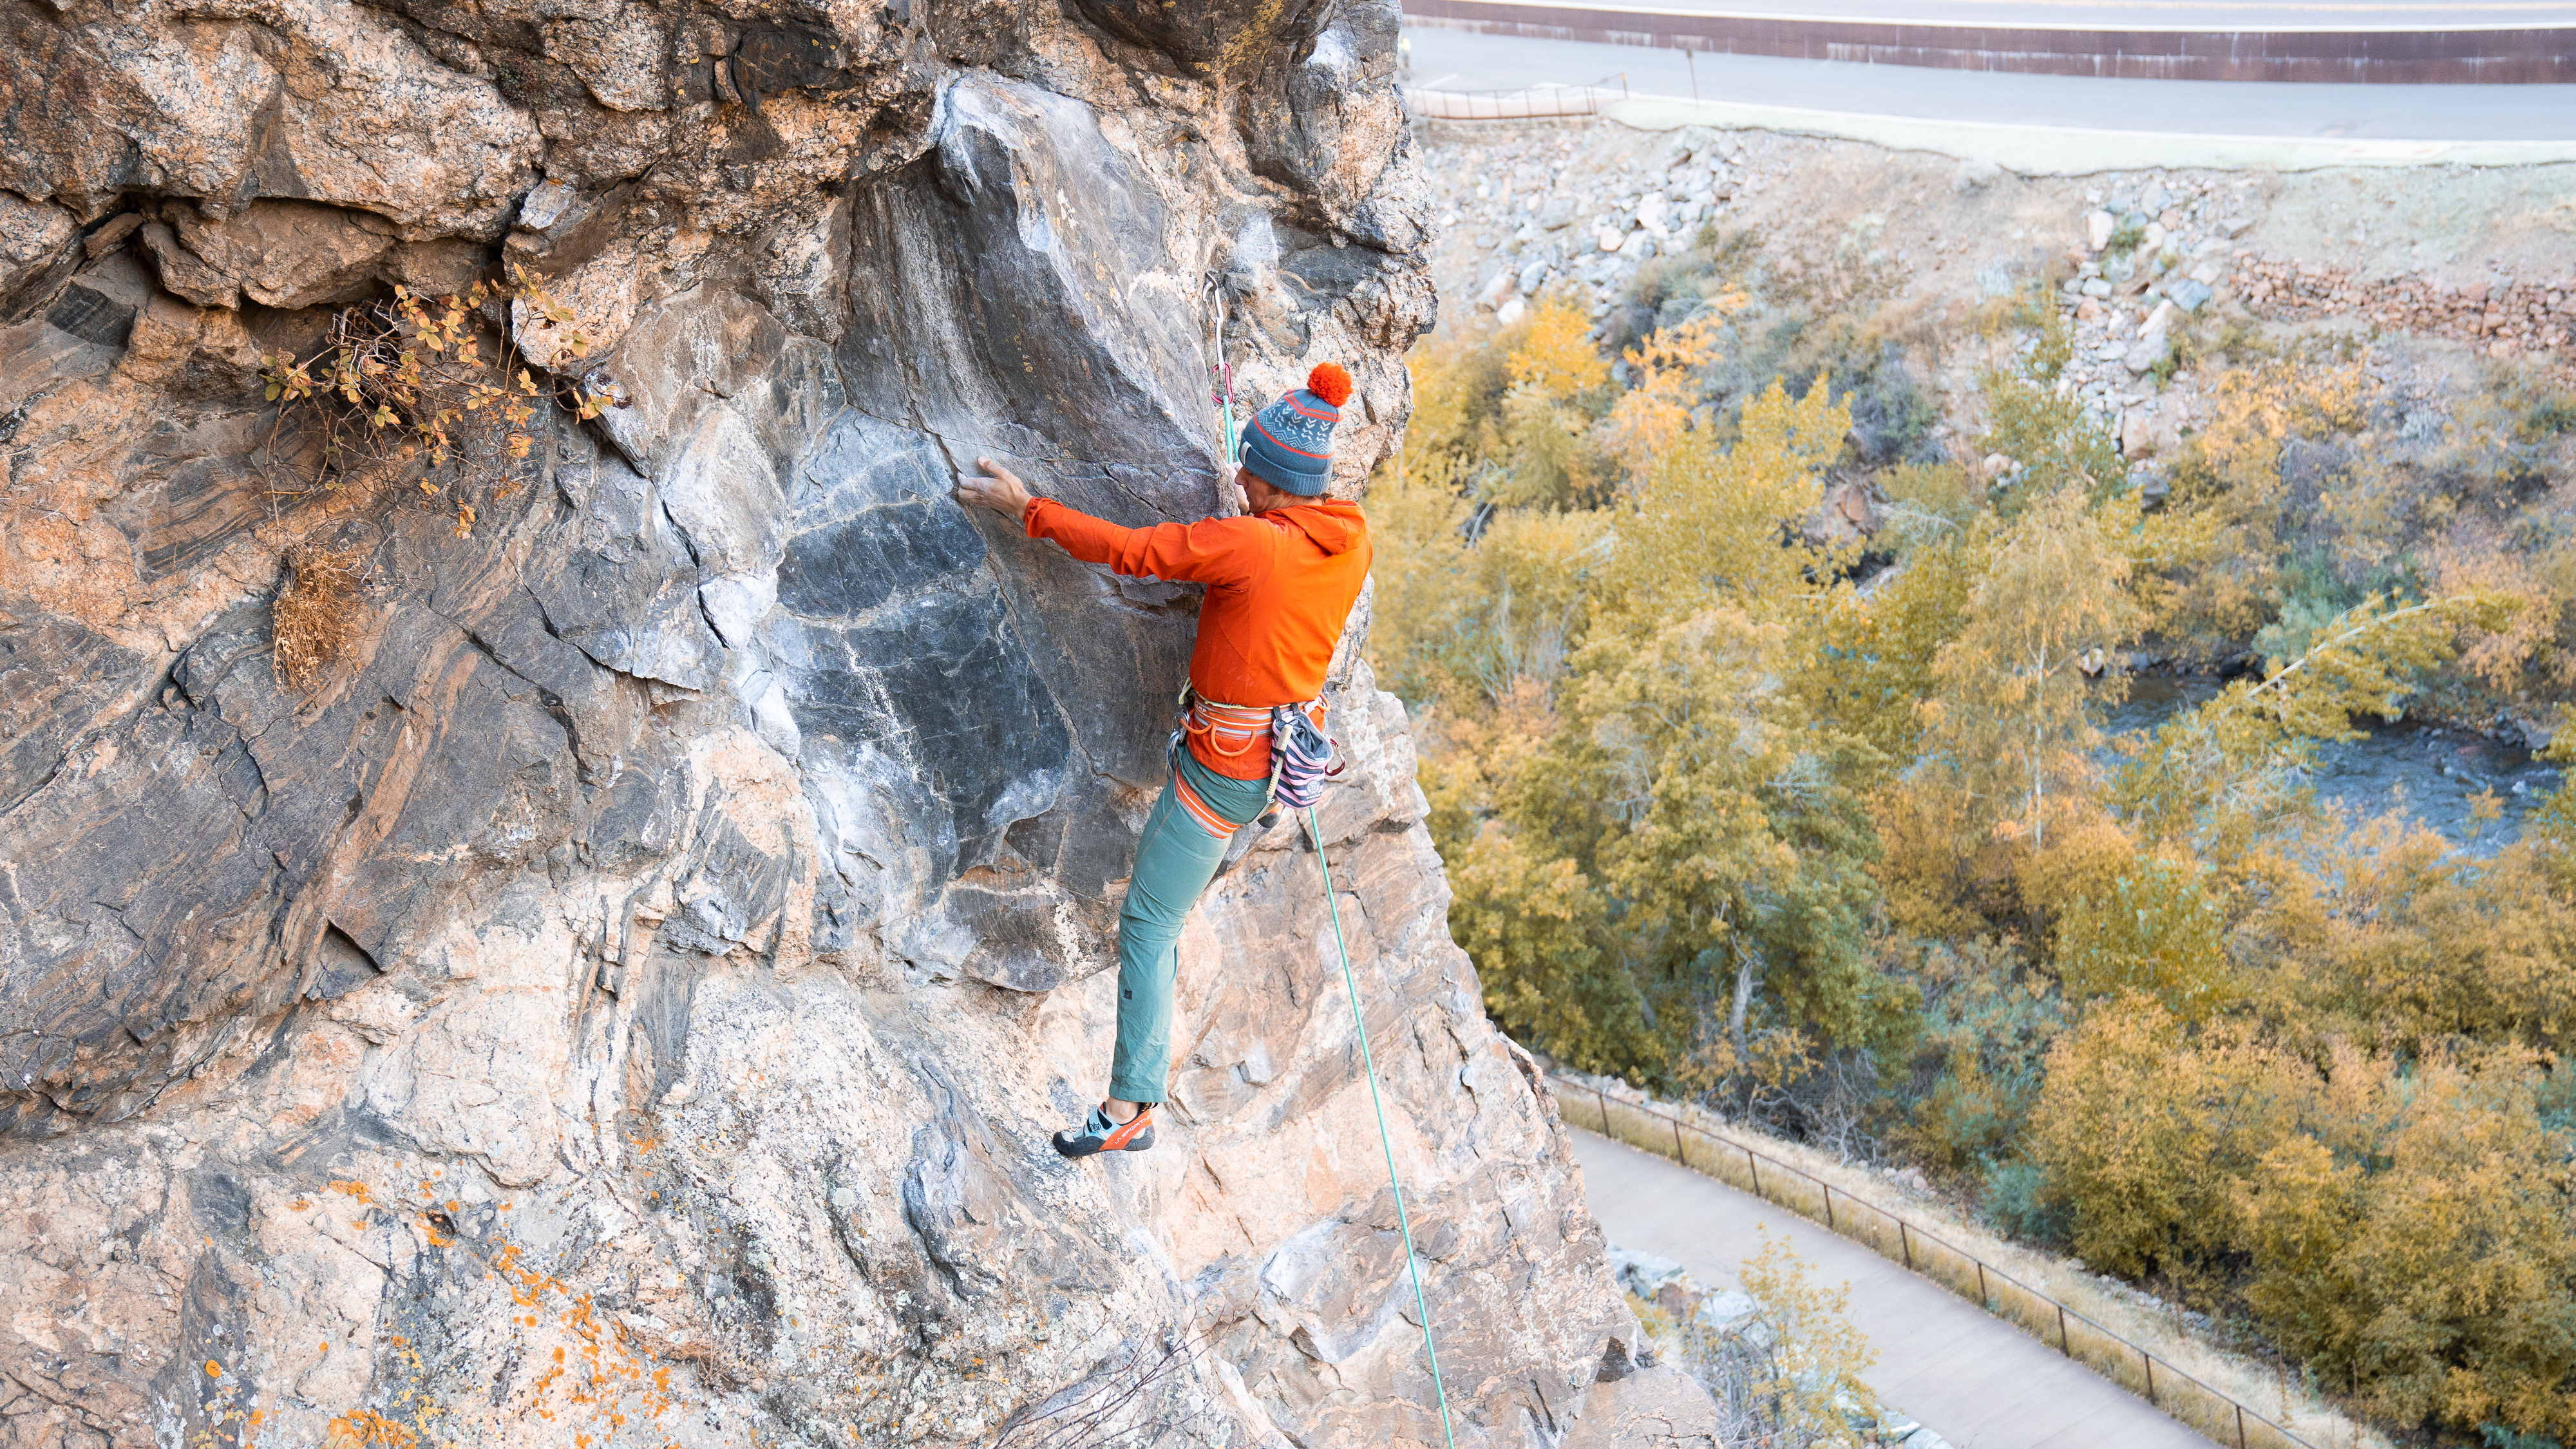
{"x":1281,"y":581}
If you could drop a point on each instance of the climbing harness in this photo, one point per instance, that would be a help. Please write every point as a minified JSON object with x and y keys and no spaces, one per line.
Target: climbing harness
{"x":1301,"y":754}
{"x":1230,"y":730}
{"x":1368,"y":1063}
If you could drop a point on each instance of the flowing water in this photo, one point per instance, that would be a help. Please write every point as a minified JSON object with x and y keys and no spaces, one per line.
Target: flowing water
{"x":2428,"y":771}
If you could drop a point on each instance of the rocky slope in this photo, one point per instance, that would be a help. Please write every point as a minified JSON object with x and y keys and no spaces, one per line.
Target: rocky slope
{"x":622,"y":996}
{"x":2480,"y":257}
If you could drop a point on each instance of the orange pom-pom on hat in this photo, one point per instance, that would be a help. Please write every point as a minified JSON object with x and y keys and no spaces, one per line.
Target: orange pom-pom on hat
{"x":1330,"y":383}
{"x":1289,"y":444}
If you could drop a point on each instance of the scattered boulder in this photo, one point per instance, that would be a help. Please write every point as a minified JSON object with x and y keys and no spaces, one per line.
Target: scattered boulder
{"x":1975,"y":175}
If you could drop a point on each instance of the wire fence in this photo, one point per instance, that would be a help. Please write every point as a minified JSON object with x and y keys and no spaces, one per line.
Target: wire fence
{"x":1534,"y":103}
{"x":2214,"y":1413}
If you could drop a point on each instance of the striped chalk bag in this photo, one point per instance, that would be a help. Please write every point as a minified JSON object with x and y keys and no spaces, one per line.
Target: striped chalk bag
{"x":1301,"y":755}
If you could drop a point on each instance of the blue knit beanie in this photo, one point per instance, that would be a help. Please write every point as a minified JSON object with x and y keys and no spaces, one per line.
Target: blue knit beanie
{"x":1289,"y":444}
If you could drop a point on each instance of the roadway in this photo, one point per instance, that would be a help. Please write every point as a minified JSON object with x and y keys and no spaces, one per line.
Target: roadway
{"x":2232,"y":15}
{"x":1968,"y":1376}
{"x":1457,"y":60}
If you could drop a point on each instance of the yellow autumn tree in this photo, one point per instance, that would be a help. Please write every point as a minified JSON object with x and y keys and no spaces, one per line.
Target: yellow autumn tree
{"x":2012,"y":721}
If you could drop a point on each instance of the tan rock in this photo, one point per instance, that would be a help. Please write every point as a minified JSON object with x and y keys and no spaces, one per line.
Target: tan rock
{"x":332,"y":103}
{"x":289,"y":254}
{"x":39,"y":245}
{"x":1650,"y":1409}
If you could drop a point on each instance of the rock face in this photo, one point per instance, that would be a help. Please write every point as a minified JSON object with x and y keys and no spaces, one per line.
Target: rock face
{"x":626,"y":994}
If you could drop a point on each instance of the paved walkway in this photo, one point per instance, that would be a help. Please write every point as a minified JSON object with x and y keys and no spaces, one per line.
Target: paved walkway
{"x":1971,"y":1378}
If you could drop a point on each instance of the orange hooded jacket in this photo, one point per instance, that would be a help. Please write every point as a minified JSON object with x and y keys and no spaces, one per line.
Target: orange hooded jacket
{"x":1280,"y":586}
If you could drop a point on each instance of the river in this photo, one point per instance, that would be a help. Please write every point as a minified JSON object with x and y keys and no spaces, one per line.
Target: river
{"x":2428,"y":770}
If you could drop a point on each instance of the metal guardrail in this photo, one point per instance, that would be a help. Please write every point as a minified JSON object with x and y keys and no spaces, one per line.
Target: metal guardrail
{"x":2219,"y":1416}
{"x":1534,"y":103}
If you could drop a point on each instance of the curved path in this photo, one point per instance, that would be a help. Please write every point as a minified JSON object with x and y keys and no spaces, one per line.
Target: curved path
{"x":1972,"y":1378}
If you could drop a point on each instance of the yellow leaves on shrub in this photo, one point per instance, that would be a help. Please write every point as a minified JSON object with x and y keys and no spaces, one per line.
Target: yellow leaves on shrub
{"x":1649,"y":419}
{"x":2412,"y":1242}
{"x":2381,"y":931}
{"x":1554,"y":355}
{"x":2517,"y":644}
{"x":2403,"y":1215}
{"x":1527,"y":918}
{"x":2218,"y":540}
{"x":393,"y":381}
{"x":2156,"y":931}
{"x":1707,"y":525}
{"x":2142,"y":1132}
{"x":1817,"y":1360}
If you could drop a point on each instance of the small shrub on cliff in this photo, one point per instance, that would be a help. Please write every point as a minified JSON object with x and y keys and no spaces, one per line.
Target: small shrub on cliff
{"x":316,"y":616}
{"x":392,"y":381}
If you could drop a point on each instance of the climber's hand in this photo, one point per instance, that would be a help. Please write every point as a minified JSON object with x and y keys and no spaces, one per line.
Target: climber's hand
{"x":1003,"y":492}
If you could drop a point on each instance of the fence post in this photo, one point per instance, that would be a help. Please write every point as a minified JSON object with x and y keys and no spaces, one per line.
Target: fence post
{"x":1829,"y":1207}
{"x":2240,"y":1426}
{"x":1984,"y":1300}
{"x":1678,"y":1154}
{"x":1605,"y":1111}
{"x":2151,"y":1374}
{"x":2062,"y":1345}
{"x":1756,"y":1169}
{"x":1907,"y":1242}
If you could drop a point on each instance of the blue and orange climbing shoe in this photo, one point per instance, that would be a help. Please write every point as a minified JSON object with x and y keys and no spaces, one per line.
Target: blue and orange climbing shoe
{"x":1098,"y":1134}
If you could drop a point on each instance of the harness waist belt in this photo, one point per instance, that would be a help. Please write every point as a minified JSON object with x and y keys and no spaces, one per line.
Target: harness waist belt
{"x":1229,"y":729}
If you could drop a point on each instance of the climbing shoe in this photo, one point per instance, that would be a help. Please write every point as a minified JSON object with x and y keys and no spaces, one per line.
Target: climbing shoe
{"x":1098,"y":1134}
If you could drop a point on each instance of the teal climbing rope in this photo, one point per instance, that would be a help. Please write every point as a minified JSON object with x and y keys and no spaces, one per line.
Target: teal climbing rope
{"x":1368,"y":1063}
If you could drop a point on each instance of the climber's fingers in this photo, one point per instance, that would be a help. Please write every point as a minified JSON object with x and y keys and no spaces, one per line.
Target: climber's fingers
{"x":1002,"y":491}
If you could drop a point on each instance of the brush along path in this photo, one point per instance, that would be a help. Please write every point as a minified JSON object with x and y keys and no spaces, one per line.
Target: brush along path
{"x":1974,"y":1378}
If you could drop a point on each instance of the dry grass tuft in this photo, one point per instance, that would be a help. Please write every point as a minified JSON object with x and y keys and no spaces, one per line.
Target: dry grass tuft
{"x":316,"y":615}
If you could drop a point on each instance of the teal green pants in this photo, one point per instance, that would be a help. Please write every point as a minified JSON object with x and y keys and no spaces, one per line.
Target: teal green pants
{"x":1175,"y":860}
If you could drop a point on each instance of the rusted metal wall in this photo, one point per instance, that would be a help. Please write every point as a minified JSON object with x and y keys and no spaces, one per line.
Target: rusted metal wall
{"x":2530,"y":56}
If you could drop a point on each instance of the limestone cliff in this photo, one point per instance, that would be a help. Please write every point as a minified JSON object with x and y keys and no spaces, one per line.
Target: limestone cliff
{"x":623,"y":997}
